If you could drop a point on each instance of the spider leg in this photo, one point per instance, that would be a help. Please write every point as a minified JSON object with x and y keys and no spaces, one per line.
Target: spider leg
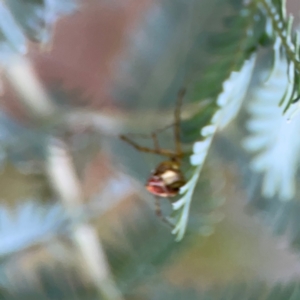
{"x":159,"y":212}
{"x":149,"y":136}
{"x":180,"y":96}
{"x":155,"y":141}
{"x":163,"y":152}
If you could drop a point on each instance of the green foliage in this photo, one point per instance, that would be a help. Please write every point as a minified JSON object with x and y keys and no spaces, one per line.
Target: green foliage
{"x":280,"y":29}
{"x":226,"y":51}
{"x":32,"y":19}
{"x":37,"y":17}
{"x":12,"y":39}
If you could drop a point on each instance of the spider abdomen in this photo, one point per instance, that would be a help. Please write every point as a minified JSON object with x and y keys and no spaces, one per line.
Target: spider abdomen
{"x":166,"y":180}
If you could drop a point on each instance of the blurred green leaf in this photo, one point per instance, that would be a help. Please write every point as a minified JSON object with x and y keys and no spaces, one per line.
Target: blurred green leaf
{"x":12,"y":40}
{"x":37,"y":17}
{"x":27,"y":225}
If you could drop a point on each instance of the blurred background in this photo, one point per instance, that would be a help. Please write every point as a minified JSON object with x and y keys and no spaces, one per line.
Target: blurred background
{"x":75,"y":219}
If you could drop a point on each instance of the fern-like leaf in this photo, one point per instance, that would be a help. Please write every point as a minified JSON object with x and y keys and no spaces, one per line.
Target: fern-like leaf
{"x":280,"y":28}
{"x":223,"y":86}
{"x":228,"y":101}
{"x":272,"y":139}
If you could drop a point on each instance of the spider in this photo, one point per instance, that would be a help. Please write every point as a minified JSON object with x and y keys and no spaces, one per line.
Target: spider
{"x":167,"y":178}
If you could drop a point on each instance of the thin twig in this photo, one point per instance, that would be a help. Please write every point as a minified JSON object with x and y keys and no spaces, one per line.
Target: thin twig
{"x":64,"y":181}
